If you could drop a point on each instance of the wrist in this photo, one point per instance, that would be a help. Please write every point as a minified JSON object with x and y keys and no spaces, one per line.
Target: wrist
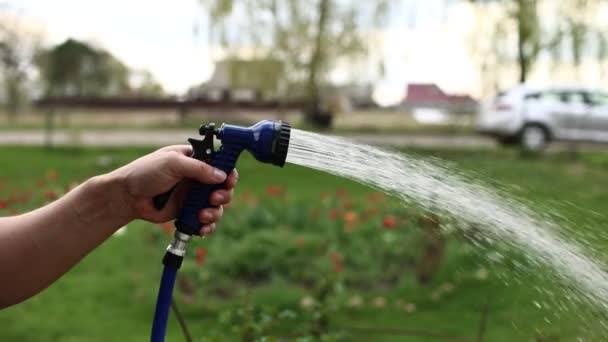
{"x":109,"y":195}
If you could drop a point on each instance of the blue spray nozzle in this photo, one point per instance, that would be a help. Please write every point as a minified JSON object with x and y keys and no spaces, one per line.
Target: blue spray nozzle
{"x":267,"y":140}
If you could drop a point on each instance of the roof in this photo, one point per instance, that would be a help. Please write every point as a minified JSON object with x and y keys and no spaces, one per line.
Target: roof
{"x":428,"y":94}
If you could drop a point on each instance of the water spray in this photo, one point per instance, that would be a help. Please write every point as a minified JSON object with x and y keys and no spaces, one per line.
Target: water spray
{"x":267,"y":141}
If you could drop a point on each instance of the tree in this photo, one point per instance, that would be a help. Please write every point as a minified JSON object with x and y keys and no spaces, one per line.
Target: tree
{"x":578,"y":32}
{"x":16,"y":50}
{"x":573,"y":32}
{"x":143,"y":83}
{"x":528,"y":35}
{"x":74,"y":68}
{"x":523,"y":16}
{"x":308,"y":37}
{"x":487,"y":46}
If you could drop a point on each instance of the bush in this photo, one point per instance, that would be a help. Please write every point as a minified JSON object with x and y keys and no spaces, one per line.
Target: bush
{"x":372,"y":243}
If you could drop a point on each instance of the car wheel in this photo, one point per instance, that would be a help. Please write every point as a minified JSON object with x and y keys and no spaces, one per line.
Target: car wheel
{"x":534,"y":138}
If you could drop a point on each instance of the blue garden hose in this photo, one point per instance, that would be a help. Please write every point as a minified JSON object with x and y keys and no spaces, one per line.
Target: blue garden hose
{"x":268,"y":142}
{"x":163,"y":304}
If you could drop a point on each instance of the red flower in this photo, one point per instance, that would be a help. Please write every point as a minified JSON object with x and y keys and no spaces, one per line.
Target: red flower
{"x":333,"y":214}
{"x":3,"y":204}
{"x":200,"y":256}
{"x":275,"y":190}
{"x":341,"y":193}
{"x":347,"y":204}
{"x":350,"y":217}
{"x":51,"y":195}
{"x":389,"y":222}
{"x":336,"y":260}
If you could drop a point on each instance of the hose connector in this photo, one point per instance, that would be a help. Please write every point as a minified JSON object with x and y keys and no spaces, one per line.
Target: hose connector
{"x":179,"y":243}
{"x":176,"y":250}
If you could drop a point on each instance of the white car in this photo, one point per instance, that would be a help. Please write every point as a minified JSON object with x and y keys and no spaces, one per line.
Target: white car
{"x":534,"y":117}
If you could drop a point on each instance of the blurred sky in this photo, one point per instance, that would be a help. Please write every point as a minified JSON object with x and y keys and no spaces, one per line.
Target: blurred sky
{"x":159,"y":35}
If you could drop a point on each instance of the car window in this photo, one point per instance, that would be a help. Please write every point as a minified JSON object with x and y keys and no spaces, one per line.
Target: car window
{"x":573,"y":97}
{"x":598,"y":98}
{"x":533,"y":96}
{"x":549,"y":96}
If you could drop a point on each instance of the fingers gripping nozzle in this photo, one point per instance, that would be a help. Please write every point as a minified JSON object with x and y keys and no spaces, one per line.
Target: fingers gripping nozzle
{"x":201,"y":150}
{"x":267,"y":141}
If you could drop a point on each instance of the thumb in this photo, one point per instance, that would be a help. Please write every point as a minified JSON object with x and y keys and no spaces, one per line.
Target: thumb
{"x":187,"y":167}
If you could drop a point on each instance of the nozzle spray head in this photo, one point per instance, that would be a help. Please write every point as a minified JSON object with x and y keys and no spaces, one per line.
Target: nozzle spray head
{"x":267,"y":141}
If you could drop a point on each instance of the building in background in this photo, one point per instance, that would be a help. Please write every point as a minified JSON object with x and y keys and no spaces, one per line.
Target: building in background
{"x":358,"y":96}
{"x":430,"y":96}
{"x":242,"y":80}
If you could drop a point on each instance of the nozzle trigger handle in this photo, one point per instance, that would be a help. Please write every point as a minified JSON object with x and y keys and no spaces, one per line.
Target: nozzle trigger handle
{"x":198,"y":197}
{"x":198,"y":152}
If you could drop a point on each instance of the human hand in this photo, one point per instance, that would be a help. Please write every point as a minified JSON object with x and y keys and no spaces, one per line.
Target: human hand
{"x":158,"y":172}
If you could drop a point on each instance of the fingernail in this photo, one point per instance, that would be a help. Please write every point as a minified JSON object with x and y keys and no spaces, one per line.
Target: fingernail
{"x":219,"y":174}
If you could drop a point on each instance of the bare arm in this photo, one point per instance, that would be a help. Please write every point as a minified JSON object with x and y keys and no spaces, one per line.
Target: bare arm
{"x":39,"y":247}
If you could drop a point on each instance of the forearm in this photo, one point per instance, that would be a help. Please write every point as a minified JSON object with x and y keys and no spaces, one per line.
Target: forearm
{"x":38,"y":247}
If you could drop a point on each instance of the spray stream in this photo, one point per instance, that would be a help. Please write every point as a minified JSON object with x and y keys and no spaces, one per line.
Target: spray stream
{"x":433,"y":186}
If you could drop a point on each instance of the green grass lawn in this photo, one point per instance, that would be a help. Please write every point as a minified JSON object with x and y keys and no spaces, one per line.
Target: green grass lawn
{"x":272,"y":251}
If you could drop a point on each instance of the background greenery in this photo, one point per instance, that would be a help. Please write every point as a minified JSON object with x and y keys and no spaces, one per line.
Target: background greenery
{"x":303,"y":253}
